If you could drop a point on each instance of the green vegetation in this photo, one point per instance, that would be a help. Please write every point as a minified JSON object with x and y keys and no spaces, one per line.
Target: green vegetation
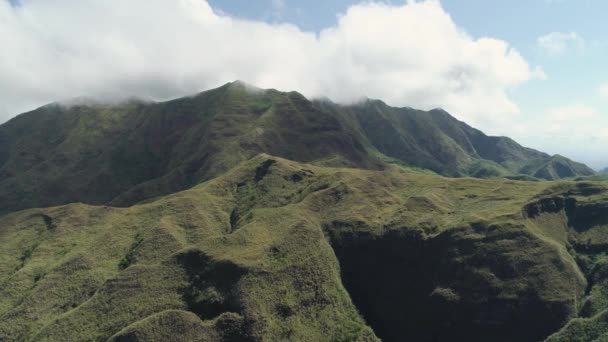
{"x":315,"y":253}
{"x":437,"y":141}
{"x":242,"y":214}
{"x":598,"y":177}
{"x":122,"y":154}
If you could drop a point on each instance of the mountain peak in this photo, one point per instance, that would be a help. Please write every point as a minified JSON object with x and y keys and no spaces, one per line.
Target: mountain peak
{"x":242,"y":85}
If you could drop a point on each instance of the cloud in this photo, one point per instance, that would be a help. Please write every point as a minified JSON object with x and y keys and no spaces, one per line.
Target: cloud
{"x":409,"y":55}
{"x":577,"y":130}
{"x":557,"y":43}
{"x":603,"y":90}
{"x":562,"y":120}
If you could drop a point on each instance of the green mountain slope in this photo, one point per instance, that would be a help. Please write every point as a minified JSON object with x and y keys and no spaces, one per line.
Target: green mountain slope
{"x":277,"y":250}
{"x":435,"y":140}
{"x":122,"y":154}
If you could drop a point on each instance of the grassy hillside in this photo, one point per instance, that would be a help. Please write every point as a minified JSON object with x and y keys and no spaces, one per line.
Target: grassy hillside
{"x":122,"y":154}
{"x":277,"y":250}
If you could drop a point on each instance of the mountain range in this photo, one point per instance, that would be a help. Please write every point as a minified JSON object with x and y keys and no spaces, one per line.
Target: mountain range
{"x":122,"y":154}
{"x":244,"y":214}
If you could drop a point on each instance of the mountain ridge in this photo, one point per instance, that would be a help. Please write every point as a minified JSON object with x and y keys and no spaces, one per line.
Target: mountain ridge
{"x":120,"y":154}
{"x":470,"y":145}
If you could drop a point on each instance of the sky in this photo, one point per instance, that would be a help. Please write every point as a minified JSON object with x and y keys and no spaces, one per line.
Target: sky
{"x":534,"y":70}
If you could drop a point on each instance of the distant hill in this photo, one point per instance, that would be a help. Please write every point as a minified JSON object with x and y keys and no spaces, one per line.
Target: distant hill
{"x":121,"y":154}
{"x":437,"y":141}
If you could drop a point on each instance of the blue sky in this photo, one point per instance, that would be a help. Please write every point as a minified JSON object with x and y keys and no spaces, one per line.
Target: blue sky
{"x":533,"y":70}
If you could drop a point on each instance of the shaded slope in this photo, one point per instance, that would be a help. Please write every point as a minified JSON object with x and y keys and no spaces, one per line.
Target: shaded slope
{"x":269,"y":250}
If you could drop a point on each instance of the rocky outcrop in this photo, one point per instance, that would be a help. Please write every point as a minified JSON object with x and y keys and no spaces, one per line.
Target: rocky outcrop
{"x":482,"y":283}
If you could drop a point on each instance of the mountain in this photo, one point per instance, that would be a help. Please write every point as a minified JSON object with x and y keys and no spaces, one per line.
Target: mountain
{"x":604,"y":170}
{"x":435,"y":140}
{"x":278,"y":250}
{"x":242,"y":214}
{"x":122,"y":154}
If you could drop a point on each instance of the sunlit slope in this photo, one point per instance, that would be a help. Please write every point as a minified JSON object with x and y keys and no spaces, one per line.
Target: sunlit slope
{"x":277,"y":250}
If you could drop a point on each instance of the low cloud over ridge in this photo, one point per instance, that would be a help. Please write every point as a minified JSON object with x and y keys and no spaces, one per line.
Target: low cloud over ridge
{"x":408,"y":55}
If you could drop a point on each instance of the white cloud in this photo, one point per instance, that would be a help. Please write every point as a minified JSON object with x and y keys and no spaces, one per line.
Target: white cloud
{"x":577,"y":131}
{"x":572,"y":119}
{"x":412,"y":54}
{"x":556,"y":43}
{"x":603,"y":90}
